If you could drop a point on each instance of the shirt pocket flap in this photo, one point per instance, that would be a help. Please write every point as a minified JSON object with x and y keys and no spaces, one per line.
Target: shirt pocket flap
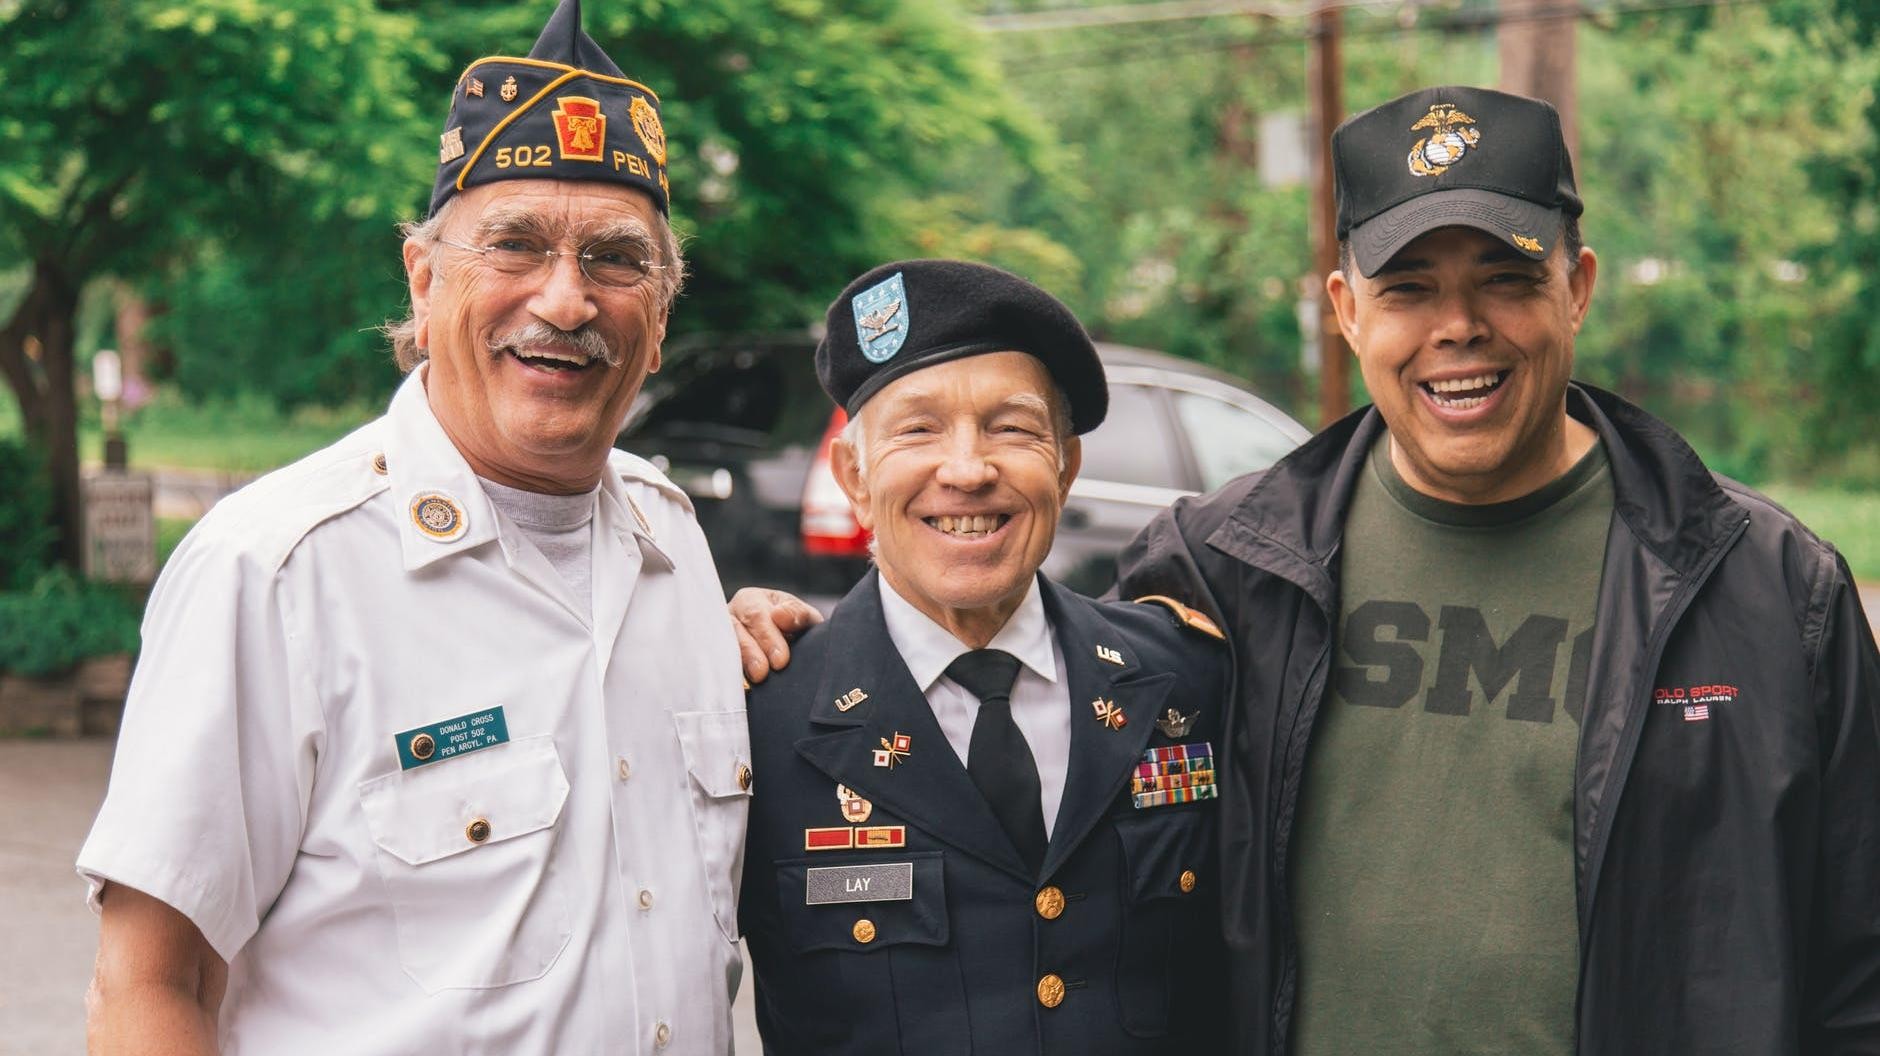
{"x":868,"y":923}
{"x":717,"y":749}
{"x":432,"y":812}
{"x":1160,"y":847}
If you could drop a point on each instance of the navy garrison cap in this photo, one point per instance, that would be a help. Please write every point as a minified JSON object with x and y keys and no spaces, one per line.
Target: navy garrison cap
{"x":565,"y":112}
{"x":1446,"y":157}
{"x":901,"y":317}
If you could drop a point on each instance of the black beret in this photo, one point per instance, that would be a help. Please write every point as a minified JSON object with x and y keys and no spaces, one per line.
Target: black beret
{"x":564,"y":113}
{"x":1447,"y":157}
{"x":901,"y":317}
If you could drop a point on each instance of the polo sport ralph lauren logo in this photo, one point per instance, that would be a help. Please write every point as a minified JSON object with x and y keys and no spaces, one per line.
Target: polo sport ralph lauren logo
{"x":1695,"y":700}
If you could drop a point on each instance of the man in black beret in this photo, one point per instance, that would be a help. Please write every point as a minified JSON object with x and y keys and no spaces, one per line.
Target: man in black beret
{"x":437,"y":740}
{"x":986,"y":822}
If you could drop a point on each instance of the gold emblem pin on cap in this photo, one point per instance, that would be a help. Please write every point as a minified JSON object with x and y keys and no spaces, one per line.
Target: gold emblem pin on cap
{"x":508,"y":90}
{"x":474,"y":88}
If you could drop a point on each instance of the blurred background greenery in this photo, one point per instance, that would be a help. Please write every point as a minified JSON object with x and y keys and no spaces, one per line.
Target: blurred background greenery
{"x":216,"y":185}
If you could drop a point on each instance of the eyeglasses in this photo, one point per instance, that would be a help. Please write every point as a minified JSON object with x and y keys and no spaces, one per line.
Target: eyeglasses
{"x":612,"y":264}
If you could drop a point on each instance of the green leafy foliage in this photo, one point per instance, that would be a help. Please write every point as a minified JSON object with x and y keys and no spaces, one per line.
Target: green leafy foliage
{"x":59,"y":621}
{"x":25,"y":515}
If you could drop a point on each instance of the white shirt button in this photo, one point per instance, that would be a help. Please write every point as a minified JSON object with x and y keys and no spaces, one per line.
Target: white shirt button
{"x":646,"y":899}
{"x":662,"y":1035}
{"x":621,"y":768}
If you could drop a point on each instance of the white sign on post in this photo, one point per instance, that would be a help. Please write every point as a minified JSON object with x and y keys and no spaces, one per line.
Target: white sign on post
{"x":120,"y":529}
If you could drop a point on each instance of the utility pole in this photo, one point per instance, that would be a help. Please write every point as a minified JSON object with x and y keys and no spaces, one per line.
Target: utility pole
{"x":1537,"y":40}
{"x":1328,"y":109}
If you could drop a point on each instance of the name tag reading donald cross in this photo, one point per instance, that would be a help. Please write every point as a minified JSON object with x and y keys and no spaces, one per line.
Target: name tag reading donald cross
{"x":451,"y":738}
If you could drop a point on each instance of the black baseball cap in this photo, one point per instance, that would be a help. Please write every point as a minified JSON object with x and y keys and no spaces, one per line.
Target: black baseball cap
{"x":1443,"y":157}
{"x":902,"y":317}
{"x":563,"y":112}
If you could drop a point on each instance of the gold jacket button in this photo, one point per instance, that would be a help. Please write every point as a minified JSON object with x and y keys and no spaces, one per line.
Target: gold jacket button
{"x":662,"y":1035}
{"x":864,"y":931}
{"x":478,"y":830}
{"x":1051,"y":991}
{"x":1049,"y":903}
{"x":1188,"y":880}
{"x":423,"y":746}
{"x":378,"y":464}
{"x":744,"y":776}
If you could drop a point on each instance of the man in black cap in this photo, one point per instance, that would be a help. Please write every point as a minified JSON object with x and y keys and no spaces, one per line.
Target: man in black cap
{"x":987,"y":816}
{"x":437,"y":740}
{"x":1547,"y":739}
{"x":1551,"y":740}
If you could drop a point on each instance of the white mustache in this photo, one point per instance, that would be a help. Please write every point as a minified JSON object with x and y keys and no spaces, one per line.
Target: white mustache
{"x":585,"y":341}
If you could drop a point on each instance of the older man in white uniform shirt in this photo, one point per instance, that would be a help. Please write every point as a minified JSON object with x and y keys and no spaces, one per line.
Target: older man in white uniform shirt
{"x":437,"y":742}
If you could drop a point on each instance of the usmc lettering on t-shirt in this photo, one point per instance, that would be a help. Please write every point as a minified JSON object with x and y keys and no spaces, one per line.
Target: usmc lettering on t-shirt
{"x":1387,"y":642}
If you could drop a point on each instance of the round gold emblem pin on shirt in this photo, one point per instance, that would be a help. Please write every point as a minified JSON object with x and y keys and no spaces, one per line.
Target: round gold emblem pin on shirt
{"x":437,"y":516}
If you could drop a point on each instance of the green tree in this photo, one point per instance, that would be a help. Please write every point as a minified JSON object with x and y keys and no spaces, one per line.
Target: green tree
{"x":146,"y":129}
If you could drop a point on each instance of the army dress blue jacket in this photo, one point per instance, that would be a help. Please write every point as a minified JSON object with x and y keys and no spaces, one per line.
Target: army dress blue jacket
{"x":909,"y":924}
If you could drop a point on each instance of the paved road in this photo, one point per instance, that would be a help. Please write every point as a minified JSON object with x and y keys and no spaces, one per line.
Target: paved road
{"x":49,"y":791}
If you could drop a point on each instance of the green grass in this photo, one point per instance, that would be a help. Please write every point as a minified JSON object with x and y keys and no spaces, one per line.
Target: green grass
{"x":170,"y":531}
{"x":1848,"y":519}
{"x":247,"y":435}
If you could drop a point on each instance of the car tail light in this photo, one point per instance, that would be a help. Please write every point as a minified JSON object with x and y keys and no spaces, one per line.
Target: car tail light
{"x":829,"y":526}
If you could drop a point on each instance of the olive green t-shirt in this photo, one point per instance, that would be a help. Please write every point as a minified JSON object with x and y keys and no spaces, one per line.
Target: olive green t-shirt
{"x":1432,"y":871}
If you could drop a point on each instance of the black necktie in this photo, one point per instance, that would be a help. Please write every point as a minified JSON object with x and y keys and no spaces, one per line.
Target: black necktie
{"x":999,"y":761}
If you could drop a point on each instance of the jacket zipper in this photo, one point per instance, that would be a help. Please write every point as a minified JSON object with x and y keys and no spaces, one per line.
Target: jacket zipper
{"x":1283,"y":990}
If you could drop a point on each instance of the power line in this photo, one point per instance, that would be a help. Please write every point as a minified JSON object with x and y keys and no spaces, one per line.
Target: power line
{"x":1458,"y":22}
{"x":1055,"y":18}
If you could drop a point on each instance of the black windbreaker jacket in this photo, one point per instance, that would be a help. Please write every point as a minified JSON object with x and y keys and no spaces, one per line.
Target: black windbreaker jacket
{"x":1728,"y":870}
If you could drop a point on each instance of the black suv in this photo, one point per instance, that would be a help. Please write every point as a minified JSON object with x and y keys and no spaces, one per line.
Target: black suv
{"x":741,"y":424}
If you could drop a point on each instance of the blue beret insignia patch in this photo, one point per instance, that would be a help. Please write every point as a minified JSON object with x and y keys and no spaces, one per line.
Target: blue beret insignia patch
{"x":881,"y":319}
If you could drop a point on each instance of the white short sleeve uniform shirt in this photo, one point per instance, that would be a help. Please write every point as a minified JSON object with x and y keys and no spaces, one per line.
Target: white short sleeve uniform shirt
{"x":557,"y":875}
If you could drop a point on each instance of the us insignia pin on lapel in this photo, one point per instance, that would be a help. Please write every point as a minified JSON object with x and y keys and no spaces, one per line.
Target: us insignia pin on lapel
{"x":1109,"y":714}
{"x":854,"y":808}
{"x":893,"y":753}
{"x":1174,"y":724}
{"x":1109,"y":655}
{"x":850,"y":699}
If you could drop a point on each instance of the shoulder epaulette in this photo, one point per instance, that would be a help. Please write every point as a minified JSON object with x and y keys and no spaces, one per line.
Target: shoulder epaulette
{"x":1186,"y":615}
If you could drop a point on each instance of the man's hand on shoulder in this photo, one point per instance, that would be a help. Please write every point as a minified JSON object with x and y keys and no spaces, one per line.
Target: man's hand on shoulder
{"x":766,"y":620}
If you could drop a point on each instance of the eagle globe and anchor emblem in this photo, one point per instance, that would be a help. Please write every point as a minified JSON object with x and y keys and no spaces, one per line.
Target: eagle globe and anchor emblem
{"x":1452,"y":135}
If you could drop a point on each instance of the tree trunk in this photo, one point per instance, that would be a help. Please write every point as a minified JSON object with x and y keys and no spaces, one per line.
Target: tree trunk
{"x":37,"y":351}
{"x":1538,"y":58}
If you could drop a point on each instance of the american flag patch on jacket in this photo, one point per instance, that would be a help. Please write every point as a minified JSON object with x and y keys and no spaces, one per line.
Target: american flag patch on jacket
{"x":1175,"y":773}
{"x":1696,"y":712}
